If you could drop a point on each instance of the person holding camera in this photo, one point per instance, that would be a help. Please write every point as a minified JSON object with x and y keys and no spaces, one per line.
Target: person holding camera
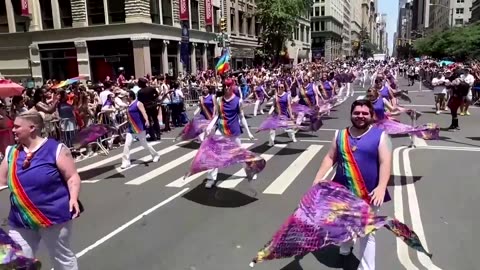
{"x":440,"y":84}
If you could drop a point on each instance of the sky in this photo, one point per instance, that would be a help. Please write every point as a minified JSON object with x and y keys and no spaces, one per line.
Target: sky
{"x":390,"y":7}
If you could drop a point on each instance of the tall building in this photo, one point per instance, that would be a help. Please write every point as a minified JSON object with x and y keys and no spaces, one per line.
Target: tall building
{"x":327,"y":29}
{"x":449,"y":13}
{"x":60,"y":39}
{"x":475,"y":12}
{"x":346,"y":36}
{"x":382,"y":33}
{"x":356,"y":25}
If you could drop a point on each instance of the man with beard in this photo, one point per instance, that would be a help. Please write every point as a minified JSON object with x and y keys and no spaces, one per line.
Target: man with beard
{"x":363,"y":155}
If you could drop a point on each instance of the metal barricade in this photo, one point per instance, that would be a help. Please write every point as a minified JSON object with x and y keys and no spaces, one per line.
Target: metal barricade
{"x":115,"y":119}
{"x":191,"y":95}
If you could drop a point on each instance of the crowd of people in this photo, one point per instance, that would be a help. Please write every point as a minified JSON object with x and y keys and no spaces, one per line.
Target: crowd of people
{"x":142,"y":108}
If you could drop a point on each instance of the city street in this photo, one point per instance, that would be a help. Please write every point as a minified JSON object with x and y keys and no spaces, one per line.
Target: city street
{"x":146,"y":217}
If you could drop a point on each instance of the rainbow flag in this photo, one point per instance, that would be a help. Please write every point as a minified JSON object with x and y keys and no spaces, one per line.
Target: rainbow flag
{"x":223,"y":64}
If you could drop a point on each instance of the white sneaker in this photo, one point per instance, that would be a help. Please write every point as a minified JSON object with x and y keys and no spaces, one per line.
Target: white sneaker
{"x":156,"y":158}
{"x":438,"y":112}
{"x":294,"y":139}
{"x":210,"y":183}
{"x":270,"y":144}
{"x":125,"y":166}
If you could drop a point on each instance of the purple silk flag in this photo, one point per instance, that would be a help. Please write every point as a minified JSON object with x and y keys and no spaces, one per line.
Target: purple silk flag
{"x":221,"y":152}
{"x":12,"y":257}
{"x":91,"y":134}
{"x":428,"y":131}
{"x":276,"y":122}
{"x":329,"y":214}
{"x":193,"y":129}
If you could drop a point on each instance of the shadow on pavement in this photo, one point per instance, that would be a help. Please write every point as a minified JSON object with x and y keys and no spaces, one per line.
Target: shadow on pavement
{"x":300,"y":134}
{"x":191,"y":145}
{"x":218,"y":197}
{"x":403,"y":180}
{"x":329,"y":257}
{"x":473,"y":138}
{"x":96,"y":171}
{"x":289,"y":151}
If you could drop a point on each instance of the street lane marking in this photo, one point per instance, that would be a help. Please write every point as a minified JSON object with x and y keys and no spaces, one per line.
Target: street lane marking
{"x":110,"y":159}
{"x":130,"y":223}
{"x":240,"y":175}
{"x":428,"y":106}
{"x":402,"y":248}
{"x":415,"y":211}
{"x":360,"y":97}
{"x":451,"y":148}
{"x":138,"y":162}
{"x":293,"y":171}
{"x":318,"y":141}
{"x":419,"y":142}
{"x":163,"y":169}
{"x":180,"y":182}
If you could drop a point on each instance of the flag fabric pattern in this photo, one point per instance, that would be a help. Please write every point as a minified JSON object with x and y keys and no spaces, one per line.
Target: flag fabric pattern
{"x":223,"y":64}
{"x":330,"y":214}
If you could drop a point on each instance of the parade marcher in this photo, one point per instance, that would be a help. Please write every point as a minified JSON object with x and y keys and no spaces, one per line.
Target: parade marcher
{"x":227,"y":123}
{"x":206,"y":107}
{"x":282,"y":108}
{"x":138,"y":122}
{"x":363,"y":155}
{"x":45,"y":186}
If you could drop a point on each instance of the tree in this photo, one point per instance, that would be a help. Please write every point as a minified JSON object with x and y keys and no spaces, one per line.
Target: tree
{"x":278,"y":19}
{"x":460,"y":43}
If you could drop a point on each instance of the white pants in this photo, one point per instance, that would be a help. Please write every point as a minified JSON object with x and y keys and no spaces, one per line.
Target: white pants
{"x":128,"y":144}
{"x":212,"y":174}
{"x":367,"y":249}
{"x":290,"y":132}
{"x":57,"y":240}
{"x":258,"y":105}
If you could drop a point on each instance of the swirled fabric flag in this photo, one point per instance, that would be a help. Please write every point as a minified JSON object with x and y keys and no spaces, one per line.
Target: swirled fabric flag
{"x":428,"y":131}
{"x":276,"y":122}
{"x":12,"y":257}
{"x":193,"y":128}
{"x":221,"y":152}
{"x":329,"y":214}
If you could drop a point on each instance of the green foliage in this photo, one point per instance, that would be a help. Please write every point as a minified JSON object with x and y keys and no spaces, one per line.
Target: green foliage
{"x":460,"y":43}
{"x":278,"y":19}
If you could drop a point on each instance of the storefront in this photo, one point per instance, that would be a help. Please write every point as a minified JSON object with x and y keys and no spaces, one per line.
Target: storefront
{"x":58,"y":60}
{"x":107,"y":56}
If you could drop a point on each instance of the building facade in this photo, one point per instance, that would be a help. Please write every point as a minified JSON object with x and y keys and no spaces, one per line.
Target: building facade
{"x":449,"y":13}
{"x":475,"y":12}
{"x":347,"y":31}
{"x":327,"y":29}
{"x":356,"y":25}
{"x":59,"y":39}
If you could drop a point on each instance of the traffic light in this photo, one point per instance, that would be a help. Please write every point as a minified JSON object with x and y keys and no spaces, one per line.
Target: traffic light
{"x":223,"y":24}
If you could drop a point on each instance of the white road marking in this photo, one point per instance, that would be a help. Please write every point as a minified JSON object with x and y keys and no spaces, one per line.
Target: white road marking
{"x":360,"y":97}
{"x":110,"y":173}
{"x":163,"y":169}
{"x":402,"y":248}
{"x":451,"y":148}
{"x":293,"y":171}
{"x":317,"y":141}
{"x":129,"y":223}
{"x":240,"y":175}
{"x":3,"y":188}
{"x":180,"y":182}
{"x":110,"y":159}
{"x":419,"y":142}
{"x":415,"y":211}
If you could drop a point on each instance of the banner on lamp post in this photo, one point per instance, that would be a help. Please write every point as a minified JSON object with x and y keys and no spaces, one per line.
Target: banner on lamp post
{"x":185,"y":46}
{"x":184,"y":15}
{"x":208,"y":12}
{"x":25,"y":11}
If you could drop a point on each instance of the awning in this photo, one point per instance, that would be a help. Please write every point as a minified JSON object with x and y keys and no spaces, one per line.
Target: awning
{"x":242,"y":52}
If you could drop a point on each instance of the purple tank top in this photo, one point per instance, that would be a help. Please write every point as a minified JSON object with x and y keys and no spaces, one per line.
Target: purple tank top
{"x":308,"y":95}
{"x":136,"y":123}
{"x":46,"y":192}
{"x":379,"y":108}
{"x":281,"y":105}
{"x":366,"y":157}
{"x":229,"y":120}
{"x":207,"y":107}
{"x":384,"y":92}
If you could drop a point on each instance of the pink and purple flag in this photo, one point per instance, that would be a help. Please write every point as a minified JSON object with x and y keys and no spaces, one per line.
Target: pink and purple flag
{"x":221,"y":152}
{"x":428,"y":131}
{"x":330,"y":214}
{"x":193,"y":129}
{"x":12,"y":257}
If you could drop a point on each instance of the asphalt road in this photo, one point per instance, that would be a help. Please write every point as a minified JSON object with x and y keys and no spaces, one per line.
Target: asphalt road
{"x":144,"y":218}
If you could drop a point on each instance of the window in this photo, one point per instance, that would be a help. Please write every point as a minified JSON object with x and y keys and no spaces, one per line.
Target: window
{"x":458,"y":21}
{"x":322,"y":26}
{"x":46,"y":9}
{"x":194,"y":15}
{"x":322,"y":13}
{"x":116,"y":11}
{"x":95,"y":11}
{"x":459,"y":10}
{"x":155,"y":11}
{"x":317,"y":27}
{"x":167,"y":12}
{"x":460,"y":1}
{"x":317,"y":11}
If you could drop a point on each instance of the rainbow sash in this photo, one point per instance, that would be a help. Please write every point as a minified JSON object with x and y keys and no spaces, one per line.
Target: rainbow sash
{"x":222,"y":121}
{"x":134,"y":127}
{"x":353,"y":174}
{"x":30,"y":215}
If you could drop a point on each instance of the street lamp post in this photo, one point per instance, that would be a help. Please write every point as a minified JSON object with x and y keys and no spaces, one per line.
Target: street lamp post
{"x":451,"y":12}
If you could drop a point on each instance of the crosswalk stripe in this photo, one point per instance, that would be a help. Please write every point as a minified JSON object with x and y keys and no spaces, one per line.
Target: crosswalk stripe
{"x":110,"y":173}
{"x":180,"y":182}
{"x":110,"y":159}
{"x":160,"y":170}
{"x":240,"y":175}
{"x":293,"y":171}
